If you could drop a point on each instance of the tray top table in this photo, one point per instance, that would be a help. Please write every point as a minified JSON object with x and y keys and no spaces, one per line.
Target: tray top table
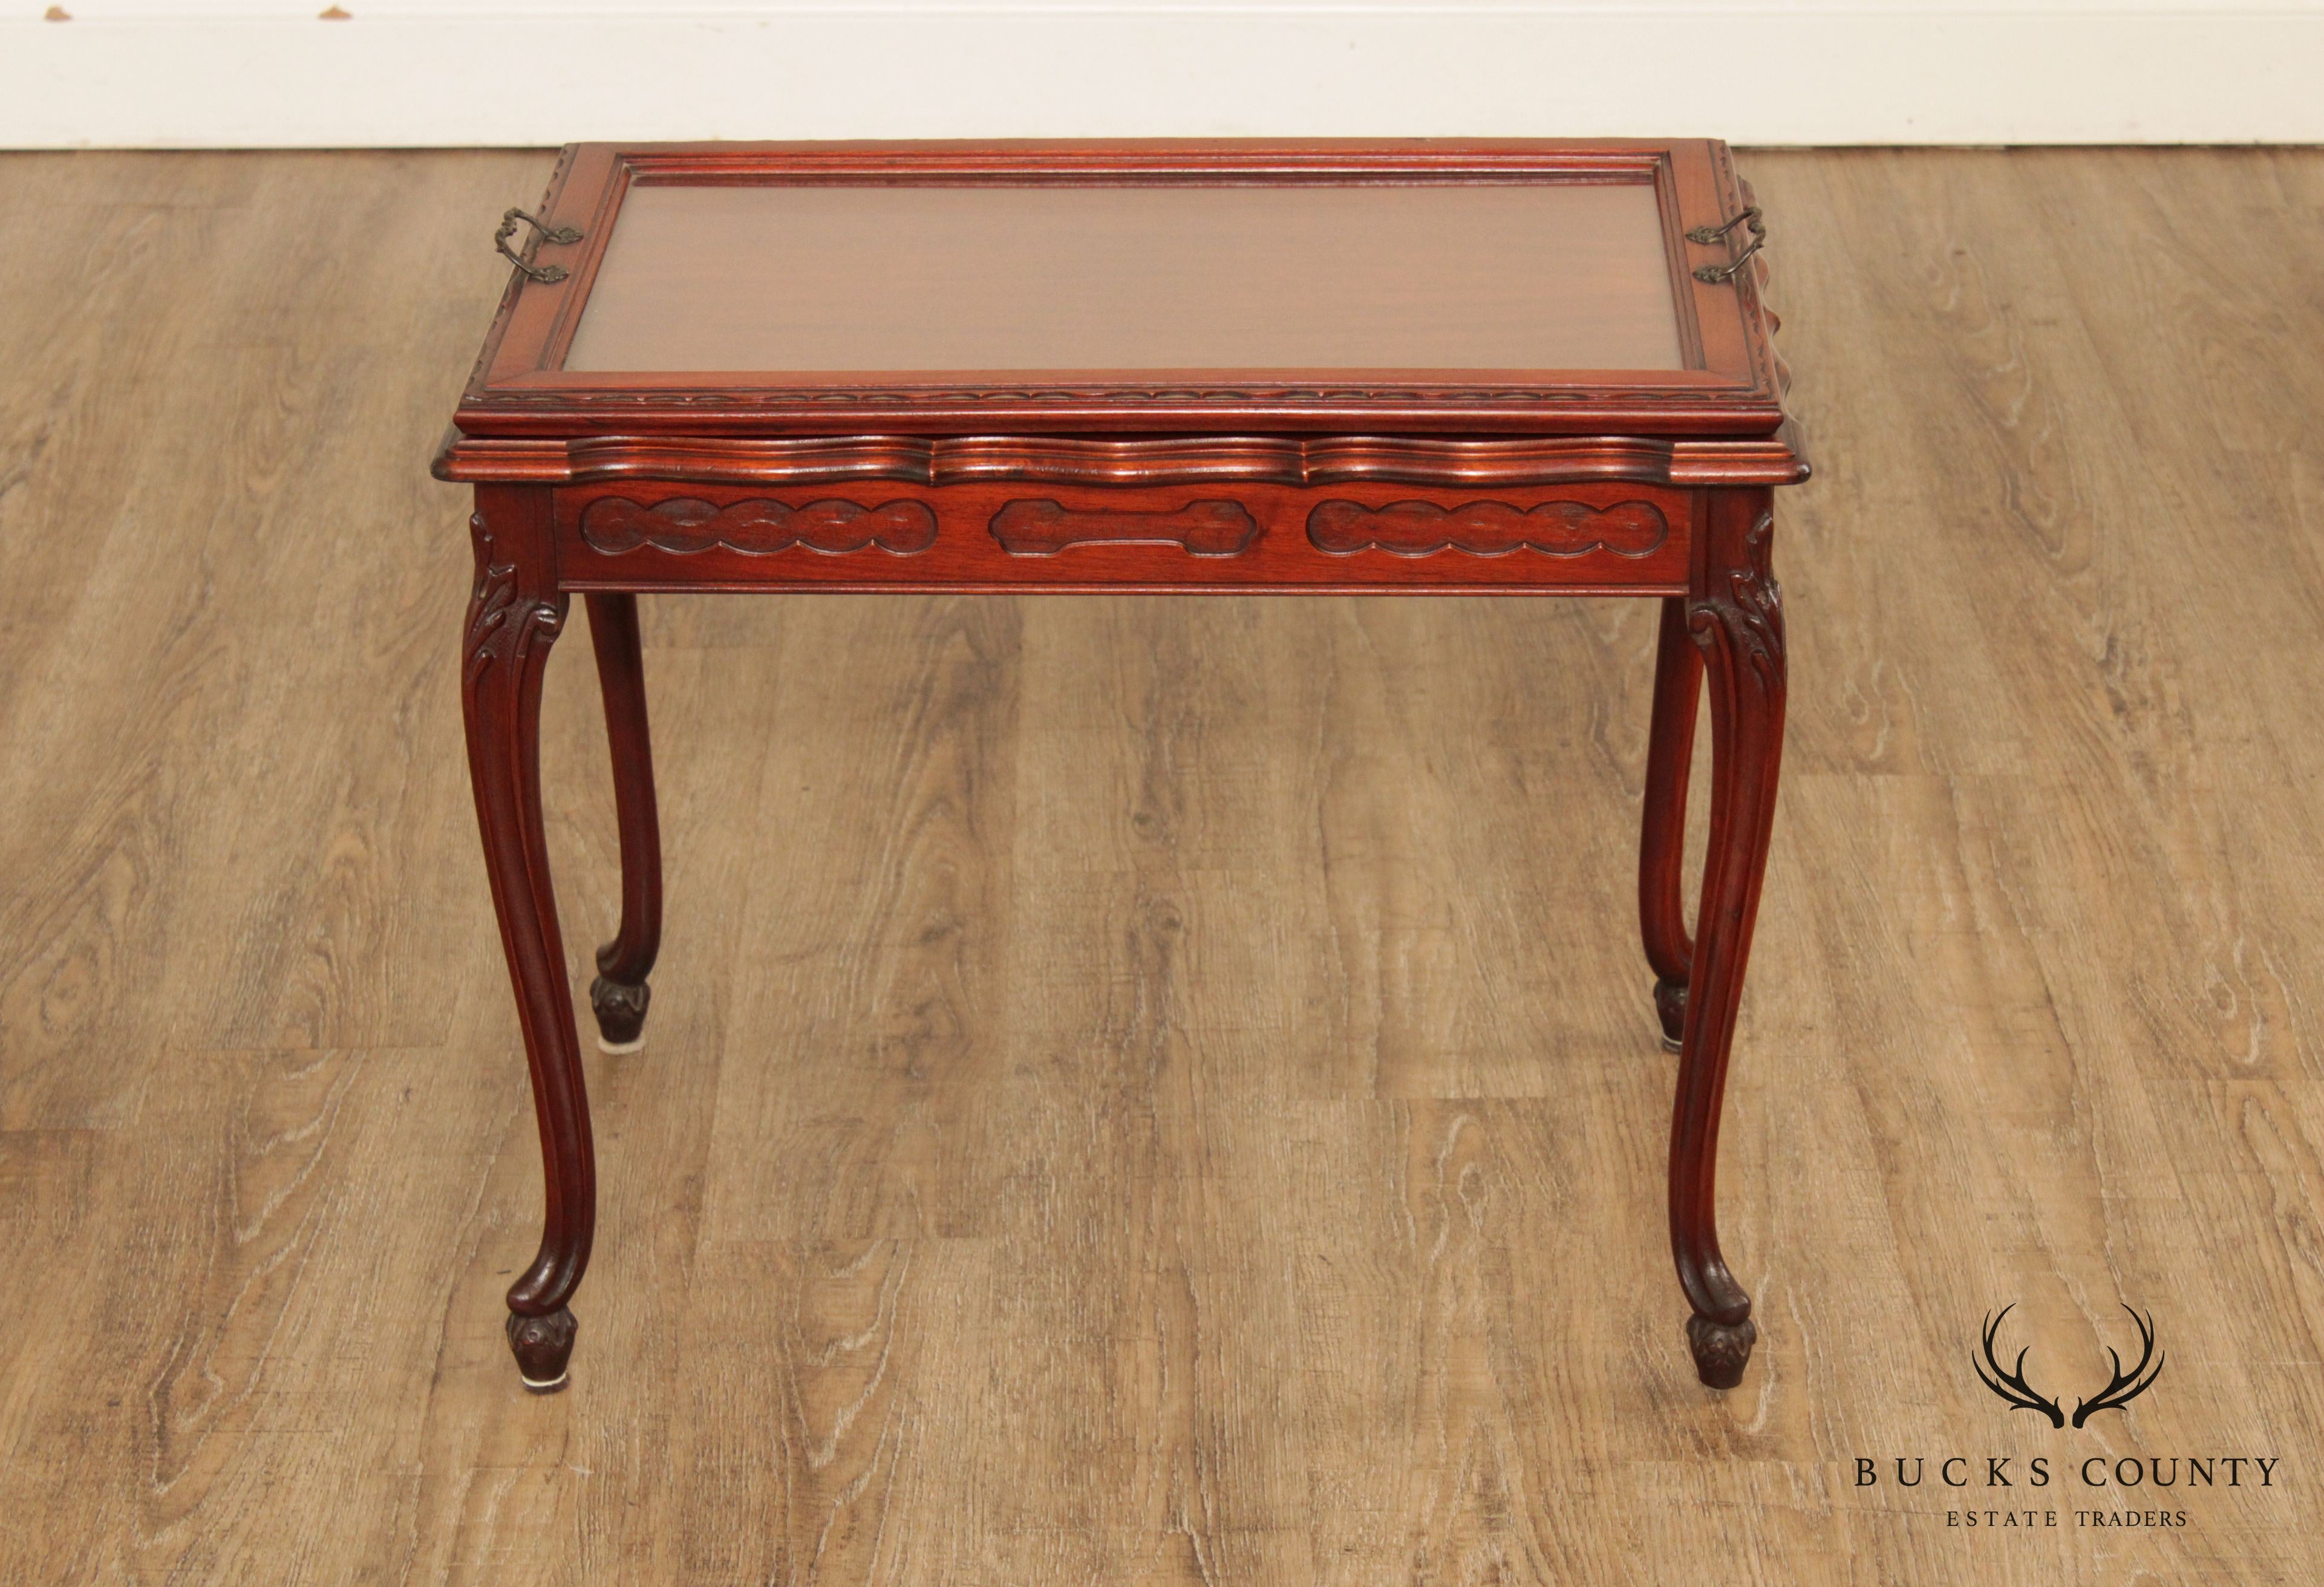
{"x":1261,"y":367}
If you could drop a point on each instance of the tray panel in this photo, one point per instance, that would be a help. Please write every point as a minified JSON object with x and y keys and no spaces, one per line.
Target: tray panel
{"x":1484,"y":287}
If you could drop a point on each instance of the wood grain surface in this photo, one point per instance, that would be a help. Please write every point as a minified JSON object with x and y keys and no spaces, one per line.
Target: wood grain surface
{"x":1148,"y":1090}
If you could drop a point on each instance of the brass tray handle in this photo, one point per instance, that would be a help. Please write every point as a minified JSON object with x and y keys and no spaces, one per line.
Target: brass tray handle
{"x":543,"y":273}
{"x":1750,"y":218}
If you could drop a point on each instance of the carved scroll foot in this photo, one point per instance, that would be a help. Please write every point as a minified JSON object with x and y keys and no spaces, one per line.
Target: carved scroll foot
{"x":1670,"y":1005}
{"x":621,"y":1014}
{"x":542,"y":1346}
{"x":1721,"y":1350}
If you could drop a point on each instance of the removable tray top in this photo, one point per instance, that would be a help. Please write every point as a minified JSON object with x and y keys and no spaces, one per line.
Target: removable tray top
{"x":1421,"y":286}
{"x":1157,"y":283}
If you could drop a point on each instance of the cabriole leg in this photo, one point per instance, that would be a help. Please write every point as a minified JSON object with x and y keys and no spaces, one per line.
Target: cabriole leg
{"x":1670,"y":748}
{"x":620,"y":993}
{"x":1735,"y":614}
{"x":513,"y":619}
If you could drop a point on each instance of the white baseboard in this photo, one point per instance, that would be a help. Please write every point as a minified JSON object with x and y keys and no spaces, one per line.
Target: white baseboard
{"x":1771,"y":73}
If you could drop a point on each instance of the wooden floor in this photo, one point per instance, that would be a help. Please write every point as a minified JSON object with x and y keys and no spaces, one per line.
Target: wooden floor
{"x":1148,"y":1090}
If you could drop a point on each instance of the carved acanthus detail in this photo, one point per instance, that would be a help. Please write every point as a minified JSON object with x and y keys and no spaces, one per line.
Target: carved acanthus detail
{"x":1043,"y":529}
{"x":503,"y":623}
{"x":615,"y":525}
{"x":1748,"y":613}
{"x":1488,"y":528}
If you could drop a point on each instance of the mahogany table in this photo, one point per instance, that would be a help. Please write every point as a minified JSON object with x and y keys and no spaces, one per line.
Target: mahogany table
{"x":1394,"y":368}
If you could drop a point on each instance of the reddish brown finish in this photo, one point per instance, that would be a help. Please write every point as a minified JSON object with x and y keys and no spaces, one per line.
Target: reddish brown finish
{"x":1260,"y":540}
{"x":1727,"y":385}
{"x":1464,"y":464}
{"x":1670,"y":748}
{"x":1200,"y":528}
{"x":620,"y":993}
{"x":1640,"y":482}
{"x":614,"y":526}
{"x":1560,"y":526}
{"x":1735,"y":612}
{"x":514,"y":617}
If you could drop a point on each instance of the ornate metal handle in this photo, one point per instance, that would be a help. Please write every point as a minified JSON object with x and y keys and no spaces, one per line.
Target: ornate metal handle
{"x":544,"y":273}
{"x":1750,"y":218}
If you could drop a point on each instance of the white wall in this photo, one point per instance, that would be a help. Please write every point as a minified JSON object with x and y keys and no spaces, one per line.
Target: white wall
{"x":180,"y":73}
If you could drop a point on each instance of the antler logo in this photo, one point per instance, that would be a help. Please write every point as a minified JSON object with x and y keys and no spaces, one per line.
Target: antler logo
{"x":2010,"y":1383}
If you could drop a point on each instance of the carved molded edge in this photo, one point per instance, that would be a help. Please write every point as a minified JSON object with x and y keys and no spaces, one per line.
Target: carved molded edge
{"x":1489,"y":528}
{"x":1343,"y":459}
{"x":1043,"y":529}
{"x":1068,"y":460}
{"x":1767,"y":310}
{"x":1769,"y":371}
{"x":615,"y":525}
{"x":1454,"y":402}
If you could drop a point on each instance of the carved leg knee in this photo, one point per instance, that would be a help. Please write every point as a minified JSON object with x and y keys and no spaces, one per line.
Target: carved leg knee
{"x":543,"y":1346}
{"x":1721,"y":1350}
